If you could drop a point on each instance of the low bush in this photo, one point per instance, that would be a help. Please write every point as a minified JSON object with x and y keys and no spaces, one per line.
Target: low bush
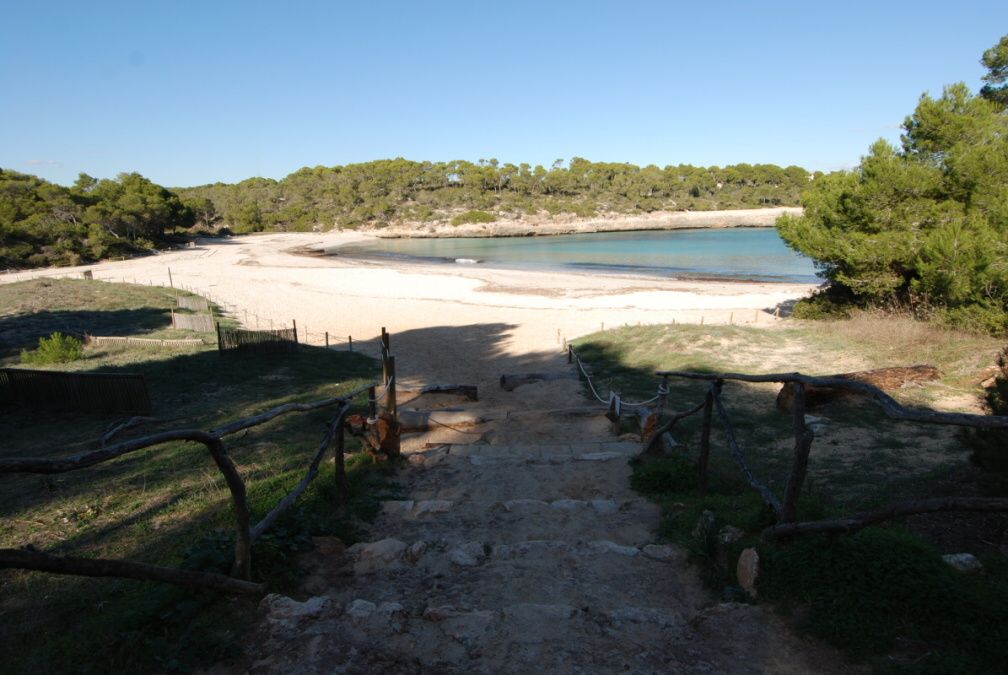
{"x":57,"y":348}
{"x":473,"y":217}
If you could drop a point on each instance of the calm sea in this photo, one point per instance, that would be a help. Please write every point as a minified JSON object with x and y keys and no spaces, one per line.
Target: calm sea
{"x":730,"y":253}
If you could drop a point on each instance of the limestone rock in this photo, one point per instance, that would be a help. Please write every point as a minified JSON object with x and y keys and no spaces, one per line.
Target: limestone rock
{"x":513,"y":505}
{"x":567,"y":504}
{"x":964,"y":562}
{"x":280,"y":609}
{"x":416,"y":551}
{"x":360,"y":610}
{"x":650,"y":615}
{"x":376,"y":555}
{"x":430,"y":506}
{"x":397,"y":508}
{"x":747,"y":570}
{"x":604,"y":507}
{"x":599,"y":456}
{"x":469,"y":554}
{"x":662,"y":552}
{"x":612,"y":547}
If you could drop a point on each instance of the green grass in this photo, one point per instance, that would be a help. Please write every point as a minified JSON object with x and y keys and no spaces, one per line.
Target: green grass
{"x":883,"y":595}
{"x":167,"y":504}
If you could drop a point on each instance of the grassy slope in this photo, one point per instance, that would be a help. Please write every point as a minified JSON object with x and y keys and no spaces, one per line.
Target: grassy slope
{"x":883,"y":591}
{"x":161,"y":504}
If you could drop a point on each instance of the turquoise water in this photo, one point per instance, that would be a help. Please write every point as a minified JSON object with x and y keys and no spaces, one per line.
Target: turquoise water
{"x":731,"y":253}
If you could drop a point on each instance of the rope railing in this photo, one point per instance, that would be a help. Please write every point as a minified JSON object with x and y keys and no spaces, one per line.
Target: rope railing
{"x":662,"y":391}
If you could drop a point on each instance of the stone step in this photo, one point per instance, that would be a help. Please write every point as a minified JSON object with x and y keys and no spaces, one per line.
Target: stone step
{"x":628,"y":521}
{"x":488,"y":455}
{"x":404,"y":636}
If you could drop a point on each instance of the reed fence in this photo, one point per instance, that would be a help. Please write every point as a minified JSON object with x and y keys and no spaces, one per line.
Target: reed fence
{"x":201,"y":323}
{"x":260,"y":341}
{"x":85,"y":392}
{"x":195,"y":303}
{"x":144,"y":342}
{"x":785,"y":509}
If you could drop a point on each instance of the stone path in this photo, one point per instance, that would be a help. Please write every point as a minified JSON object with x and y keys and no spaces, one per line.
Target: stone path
{"x":519,"y":548}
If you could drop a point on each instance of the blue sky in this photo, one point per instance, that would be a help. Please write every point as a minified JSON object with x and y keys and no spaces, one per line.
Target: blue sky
{"x":194,"y":92}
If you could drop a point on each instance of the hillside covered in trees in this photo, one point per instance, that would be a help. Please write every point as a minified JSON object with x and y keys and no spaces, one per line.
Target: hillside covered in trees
{"x":42,"y":223}
{"x":385,"y":191}
{"x":922,"y":227}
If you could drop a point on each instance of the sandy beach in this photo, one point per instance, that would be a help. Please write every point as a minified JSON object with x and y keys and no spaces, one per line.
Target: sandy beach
{"x":267,"y":280}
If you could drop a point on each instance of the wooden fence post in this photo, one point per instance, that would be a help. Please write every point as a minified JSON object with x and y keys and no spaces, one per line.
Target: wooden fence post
{"x":294,"y":325}
{"x":705,"y":443}
{"x":327,"y":339}
{"x":350,"y":342}
{"x":570,"y":354}
{"x":171,"y":282}
{"x":803,"y":445}
{"x":393,"y":406}
{"x":372,"y":404}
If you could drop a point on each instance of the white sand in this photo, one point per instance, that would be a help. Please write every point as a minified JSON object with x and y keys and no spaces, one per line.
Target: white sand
{"x":520,"y":311}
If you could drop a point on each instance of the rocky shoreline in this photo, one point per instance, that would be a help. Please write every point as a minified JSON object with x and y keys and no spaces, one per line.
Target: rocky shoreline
{"x":544,"y":225}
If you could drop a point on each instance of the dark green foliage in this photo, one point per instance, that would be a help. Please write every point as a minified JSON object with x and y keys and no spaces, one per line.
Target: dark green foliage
{"x":57,"y":348}
{"x":44,"y":224}
{"x":924,"y":226}
{"x":658,"y":476}
{"x":473,"y":217}
{"x":864,"y":591}
{"x":382,"y":191}
{"x":995,"y":60}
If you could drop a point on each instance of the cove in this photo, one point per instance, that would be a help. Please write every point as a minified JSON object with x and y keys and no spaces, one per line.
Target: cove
{"x":749,"y":253}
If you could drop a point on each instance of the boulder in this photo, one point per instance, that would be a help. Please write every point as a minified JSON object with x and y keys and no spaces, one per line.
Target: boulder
{"x":747,"y":570}
{"x":963,"y":562}
{"x":376,"y":555}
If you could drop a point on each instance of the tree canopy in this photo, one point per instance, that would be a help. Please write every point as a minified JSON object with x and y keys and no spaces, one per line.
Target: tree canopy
{"x":42,"y":223}
{"x":923,"y":226}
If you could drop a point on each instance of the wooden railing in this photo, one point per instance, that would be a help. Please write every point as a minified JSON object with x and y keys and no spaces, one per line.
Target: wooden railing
{"x":786,"y":509}
{"x":213,"y":441}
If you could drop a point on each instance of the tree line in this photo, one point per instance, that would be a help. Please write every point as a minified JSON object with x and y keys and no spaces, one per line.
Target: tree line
{"x":398,"y":190}
{"x":42,"y":223}
{"x":924,"y":226}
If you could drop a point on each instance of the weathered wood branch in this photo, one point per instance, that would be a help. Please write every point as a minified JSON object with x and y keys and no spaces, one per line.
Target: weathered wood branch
{"x":650,"y":440}
{"x":889,"y":405}
{"x":123,"y":425}
{"x":84,"y":460}
{"x":333,"y":428}
{"x":273,"y":413}
{"x":856,"y":522}
{"x":768,"y":496}
{"x":92,"y":567}
{"x":886,"y":379}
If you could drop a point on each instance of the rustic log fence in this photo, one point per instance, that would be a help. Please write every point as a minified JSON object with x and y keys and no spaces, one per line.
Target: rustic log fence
{"x":85,"y":392}
{"x":213,"y":440}
{"x":786,"y":510}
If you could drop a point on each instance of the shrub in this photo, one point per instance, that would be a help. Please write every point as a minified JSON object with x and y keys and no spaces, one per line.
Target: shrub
{"x":990,"y":447}
{"x":57,"y":348}
{"x":473,"y":216}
